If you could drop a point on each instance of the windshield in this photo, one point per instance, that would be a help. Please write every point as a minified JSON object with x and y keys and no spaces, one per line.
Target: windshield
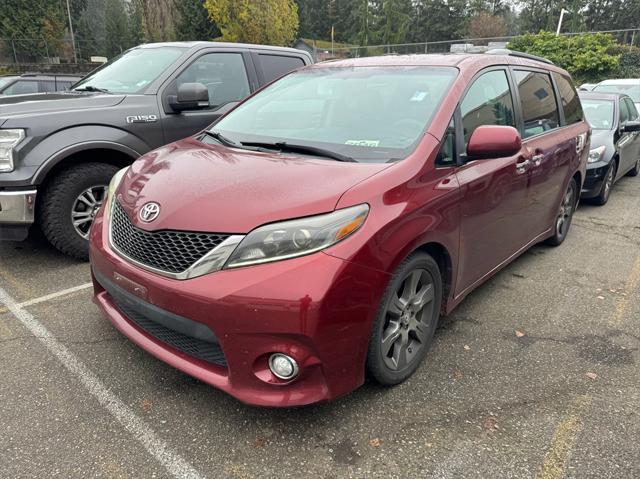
{"x":631,"y":89}
{"x":5,"y":81}
{"x":372,"y":114}
{"x":599,"y":113}
{"x":132,"y":71}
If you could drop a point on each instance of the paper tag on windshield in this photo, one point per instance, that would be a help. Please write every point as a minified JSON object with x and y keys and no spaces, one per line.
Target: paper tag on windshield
{"x":368,"y":143}
{"x":419,"y":96}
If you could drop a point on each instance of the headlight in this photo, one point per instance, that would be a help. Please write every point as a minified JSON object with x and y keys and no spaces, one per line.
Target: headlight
{"x":111,"y":191}
{"x":596,"y":154}
{"x":9,"y":139}
{"x":289,"y":239}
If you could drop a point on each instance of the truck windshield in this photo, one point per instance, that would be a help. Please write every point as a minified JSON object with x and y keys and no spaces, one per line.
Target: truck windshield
{"x":370,"y":114}
{"x":130,"y":72}
{"x":599,"y":113}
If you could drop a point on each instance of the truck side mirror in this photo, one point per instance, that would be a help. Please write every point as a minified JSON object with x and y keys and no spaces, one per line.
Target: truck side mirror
{"x":191,"y":96}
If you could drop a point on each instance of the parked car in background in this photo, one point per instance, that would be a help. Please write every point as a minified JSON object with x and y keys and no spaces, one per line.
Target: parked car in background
{"x":586,"y":87}
{"x":629,"y":86}
{"x":615,"y":144}
{"x":30,"y":83}
{"x":321,"y":227}
{"x":59,"y":151}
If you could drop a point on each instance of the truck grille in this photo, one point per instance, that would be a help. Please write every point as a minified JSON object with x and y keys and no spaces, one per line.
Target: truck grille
{"x":197,"y":348}
{"x":167,"y":250}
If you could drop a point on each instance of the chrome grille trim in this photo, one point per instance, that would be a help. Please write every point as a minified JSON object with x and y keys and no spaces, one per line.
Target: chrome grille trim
{"x":212,"y":260}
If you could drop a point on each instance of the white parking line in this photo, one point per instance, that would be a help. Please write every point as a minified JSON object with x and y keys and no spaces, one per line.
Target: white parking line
{"x":175,"y":464}
{"x":47,"y":297}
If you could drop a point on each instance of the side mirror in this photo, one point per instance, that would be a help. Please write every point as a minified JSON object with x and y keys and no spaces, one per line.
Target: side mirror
{"x":631,"y":126}
{"x":493,"y":141}
{"x":191,"y":96}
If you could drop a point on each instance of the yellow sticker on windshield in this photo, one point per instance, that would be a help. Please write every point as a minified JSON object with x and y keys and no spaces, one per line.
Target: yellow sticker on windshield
{"x":369,"y":143}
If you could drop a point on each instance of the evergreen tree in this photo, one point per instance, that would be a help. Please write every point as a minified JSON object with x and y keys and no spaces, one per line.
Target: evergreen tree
{"x":115,"y":27}
{"x":193,"y":21}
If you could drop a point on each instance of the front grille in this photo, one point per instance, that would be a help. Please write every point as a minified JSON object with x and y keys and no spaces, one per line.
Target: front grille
{"x":167,"y":250}
{"x":203,"y":350}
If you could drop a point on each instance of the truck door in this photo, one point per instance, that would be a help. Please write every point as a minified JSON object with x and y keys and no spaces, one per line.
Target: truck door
{"x":229,"y":77}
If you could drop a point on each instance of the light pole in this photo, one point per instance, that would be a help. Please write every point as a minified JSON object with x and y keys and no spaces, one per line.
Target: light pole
{"x":73,"y":41}
{"x":562,"y":12}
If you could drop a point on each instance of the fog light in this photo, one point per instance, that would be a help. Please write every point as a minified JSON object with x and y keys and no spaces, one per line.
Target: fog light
{"x":283,"y":366}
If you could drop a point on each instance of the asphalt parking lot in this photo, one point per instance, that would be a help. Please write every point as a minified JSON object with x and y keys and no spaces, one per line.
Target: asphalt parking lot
{"x":535,"y":375}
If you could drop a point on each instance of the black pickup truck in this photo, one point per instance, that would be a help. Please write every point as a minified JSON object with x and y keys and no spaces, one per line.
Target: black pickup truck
{"x":58,"y":151}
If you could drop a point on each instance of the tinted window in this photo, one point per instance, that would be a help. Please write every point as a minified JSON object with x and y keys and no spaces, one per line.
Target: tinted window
{"x":447,"y":154}
{"x":487,"y":102}
{"x":46,"y":86}
{"x":624,"y":112}
{"x":633,"y":111}
{"x":274,"y":66}
{"x":539,"y":107}
{"x":373,"y":114}
{"x":223,"y":74}
{"x":22,"y":87}
{"x":570,"y":101}
{"x":599,"y":113}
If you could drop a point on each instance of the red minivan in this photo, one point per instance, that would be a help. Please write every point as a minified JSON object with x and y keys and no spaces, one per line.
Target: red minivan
{"x":318,"y":231}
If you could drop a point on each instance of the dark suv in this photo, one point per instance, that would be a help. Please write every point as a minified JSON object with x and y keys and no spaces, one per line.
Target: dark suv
{"x":35,"y":83}
{"x":58,"y":151}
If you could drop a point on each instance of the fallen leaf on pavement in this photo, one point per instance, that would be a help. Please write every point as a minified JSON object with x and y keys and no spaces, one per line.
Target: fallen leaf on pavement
{"x":519,"y":333}
{"x":592,"y":375}
{"x":375,"y":442}
{"x":457,"y":374}
{"x":259,"y":443}
{"x":467,"y":347}
{"x":490,"y":424}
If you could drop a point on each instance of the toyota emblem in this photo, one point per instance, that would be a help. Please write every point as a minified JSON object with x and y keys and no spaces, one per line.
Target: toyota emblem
{"x":149,"y":212}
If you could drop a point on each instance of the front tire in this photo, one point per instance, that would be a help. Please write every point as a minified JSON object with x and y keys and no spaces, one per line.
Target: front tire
{"x":565,"y":214}
{"x":406,"y":320}
{"x":636,"y":169}
{"x":607,"y":185}
{"x":69,"y":204}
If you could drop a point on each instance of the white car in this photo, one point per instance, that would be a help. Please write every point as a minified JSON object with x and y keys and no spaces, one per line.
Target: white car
{"x":628,"y":86}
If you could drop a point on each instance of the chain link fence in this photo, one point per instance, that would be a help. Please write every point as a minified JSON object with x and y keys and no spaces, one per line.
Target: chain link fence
{"x":628,"y":37}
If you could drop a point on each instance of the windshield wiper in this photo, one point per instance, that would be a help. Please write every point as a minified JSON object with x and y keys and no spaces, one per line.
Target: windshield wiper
{"x":291,"y":147}
{"x":92,"y":88}
{"x":222,"y":139}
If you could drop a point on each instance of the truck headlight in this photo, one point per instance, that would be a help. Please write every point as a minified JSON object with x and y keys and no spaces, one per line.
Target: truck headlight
{"x":9,"y":139}
{"x":289,"y":239}
{"x":596,"y":154}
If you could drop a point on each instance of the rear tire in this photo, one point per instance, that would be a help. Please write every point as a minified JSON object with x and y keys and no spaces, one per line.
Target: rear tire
{"x":636,"y":169}
{"x":607,"y":185}
{"x":70,"y":196}
{"x":406,"y":321}
{"x":565,"y":214}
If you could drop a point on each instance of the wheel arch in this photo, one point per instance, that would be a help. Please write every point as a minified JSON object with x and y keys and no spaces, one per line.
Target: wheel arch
{"x":94,"y":151}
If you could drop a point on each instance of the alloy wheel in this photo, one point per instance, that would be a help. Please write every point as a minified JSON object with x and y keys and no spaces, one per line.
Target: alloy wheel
{"x":407,"y":320}
{"x":85,"y":208}
{"x":566,"y":211}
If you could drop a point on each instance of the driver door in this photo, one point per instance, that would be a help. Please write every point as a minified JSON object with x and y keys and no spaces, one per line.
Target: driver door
{"x":227,"y":78}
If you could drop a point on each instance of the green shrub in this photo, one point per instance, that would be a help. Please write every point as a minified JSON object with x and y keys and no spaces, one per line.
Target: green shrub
{"x":588,"y":57}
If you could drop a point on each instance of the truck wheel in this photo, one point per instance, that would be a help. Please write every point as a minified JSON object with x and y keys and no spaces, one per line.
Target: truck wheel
{"x":69,"y":204}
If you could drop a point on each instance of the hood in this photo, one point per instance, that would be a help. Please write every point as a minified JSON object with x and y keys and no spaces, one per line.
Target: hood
{"x":601,"y":137}
{"x":45,"y":103}
{"x":222,"y":190}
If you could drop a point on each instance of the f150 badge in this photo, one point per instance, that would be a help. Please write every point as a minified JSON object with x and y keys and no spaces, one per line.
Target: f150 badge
{"x":142,"y":118}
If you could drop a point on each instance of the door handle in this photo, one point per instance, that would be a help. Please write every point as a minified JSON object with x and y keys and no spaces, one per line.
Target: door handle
{"x":522,"y":165}
{"x":537,"y":160}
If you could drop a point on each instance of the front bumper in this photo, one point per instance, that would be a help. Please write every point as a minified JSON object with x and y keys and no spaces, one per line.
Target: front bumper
{"x":317,"y":309}
{"x":596,"y":173}
{"x":17,"y":211}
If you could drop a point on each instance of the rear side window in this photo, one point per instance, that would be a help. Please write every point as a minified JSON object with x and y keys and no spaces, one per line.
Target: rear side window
{"x":570,"y":101}
{"x":46,"y":86}
{"x":538,"y":100}
{"x":274,"y":66}
{"x":487,"y":102}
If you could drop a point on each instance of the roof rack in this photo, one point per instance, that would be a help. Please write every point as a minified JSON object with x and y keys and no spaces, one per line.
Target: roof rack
{"x":511,"y":53}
